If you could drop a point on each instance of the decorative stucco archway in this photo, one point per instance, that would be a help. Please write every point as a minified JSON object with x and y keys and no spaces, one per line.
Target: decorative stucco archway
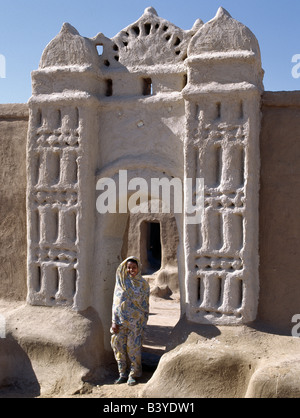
{"x":179,"y":103}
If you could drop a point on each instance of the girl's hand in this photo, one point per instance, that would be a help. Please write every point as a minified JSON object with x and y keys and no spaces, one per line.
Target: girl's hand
{"x":115,"y":328}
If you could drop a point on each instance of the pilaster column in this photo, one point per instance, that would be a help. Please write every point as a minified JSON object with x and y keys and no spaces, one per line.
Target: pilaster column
{"x":222,"y":147}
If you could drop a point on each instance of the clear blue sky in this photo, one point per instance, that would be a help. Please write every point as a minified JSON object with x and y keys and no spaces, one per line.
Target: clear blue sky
{"x":27,"y":26}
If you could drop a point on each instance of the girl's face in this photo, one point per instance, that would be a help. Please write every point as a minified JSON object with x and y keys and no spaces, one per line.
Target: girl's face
{"x":132,"y":269}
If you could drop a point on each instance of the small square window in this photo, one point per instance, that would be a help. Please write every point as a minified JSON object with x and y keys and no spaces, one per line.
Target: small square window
{"x":147,"y":87}
{"x":109,"y":87}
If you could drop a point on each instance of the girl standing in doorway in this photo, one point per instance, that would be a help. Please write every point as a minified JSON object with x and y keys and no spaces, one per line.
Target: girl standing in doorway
{"x":129,"y":318}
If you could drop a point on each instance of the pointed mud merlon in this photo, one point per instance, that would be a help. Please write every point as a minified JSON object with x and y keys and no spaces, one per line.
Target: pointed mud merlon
{"x":151,"y":10}
{"x":222,"y":12}
{"x":67,"y":27}
{"x":223,"y":33}
{"x":197,"y":25}
{"x":69,"y":48}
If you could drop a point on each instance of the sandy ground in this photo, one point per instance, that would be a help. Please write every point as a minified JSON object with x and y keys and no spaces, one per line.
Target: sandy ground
{"x":164,"y":315}
{"x":265,"y":355}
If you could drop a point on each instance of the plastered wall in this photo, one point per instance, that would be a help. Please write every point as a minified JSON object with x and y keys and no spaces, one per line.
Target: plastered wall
{"x":279,"y":210}
{"x":161,"y":102}
{"x":13,"y":136}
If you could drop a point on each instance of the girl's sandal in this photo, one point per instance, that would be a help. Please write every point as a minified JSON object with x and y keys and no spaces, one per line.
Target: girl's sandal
{"x":121,"y":379}
{"x":131,"y":381}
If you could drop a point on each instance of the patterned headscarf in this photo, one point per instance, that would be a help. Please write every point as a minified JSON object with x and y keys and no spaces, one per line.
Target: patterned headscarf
{"x":122,"y":272}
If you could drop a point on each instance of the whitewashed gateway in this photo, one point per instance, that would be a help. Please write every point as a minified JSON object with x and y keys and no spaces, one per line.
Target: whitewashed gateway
{"x":159,"y":102}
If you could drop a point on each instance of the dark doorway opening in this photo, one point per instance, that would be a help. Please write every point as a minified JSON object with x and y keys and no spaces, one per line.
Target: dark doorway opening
{"x":150,"y":235}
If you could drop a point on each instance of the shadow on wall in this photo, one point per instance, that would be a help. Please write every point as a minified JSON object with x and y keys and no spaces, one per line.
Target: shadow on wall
{"x":68,"y":352}
{"x":16,"y":371}
{"x":156,"y":338}
{"x":184,"y":328}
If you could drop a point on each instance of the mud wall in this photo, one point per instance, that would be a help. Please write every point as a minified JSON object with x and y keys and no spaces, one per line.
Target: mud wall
{"x":13,"y":134}
{"x":279,"y":207}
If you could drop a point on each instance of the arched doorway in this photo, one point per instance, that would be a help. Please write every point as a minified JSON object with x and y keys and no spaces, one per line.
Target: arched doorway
{"x":121,"y":234}
{"x":154,"y":239}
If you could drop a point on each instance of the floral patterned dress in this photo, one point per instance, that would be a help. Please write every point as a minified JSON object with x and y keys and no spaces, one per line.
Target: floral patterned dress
{"x":130,"y":312}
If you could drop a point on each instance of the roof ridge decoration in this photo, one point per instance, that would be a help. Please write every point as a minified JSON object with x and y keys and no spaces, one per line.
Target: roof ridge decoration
{"x":69,"y":48}
{"x":223,"y":33}
{"x":151,"y":40}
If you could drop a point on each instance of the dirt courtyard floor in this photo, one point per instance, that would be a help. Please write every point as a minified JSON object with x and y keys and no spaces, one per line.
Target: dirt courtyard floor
{"x":164,"y":315}
{"x":249,"y":360}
